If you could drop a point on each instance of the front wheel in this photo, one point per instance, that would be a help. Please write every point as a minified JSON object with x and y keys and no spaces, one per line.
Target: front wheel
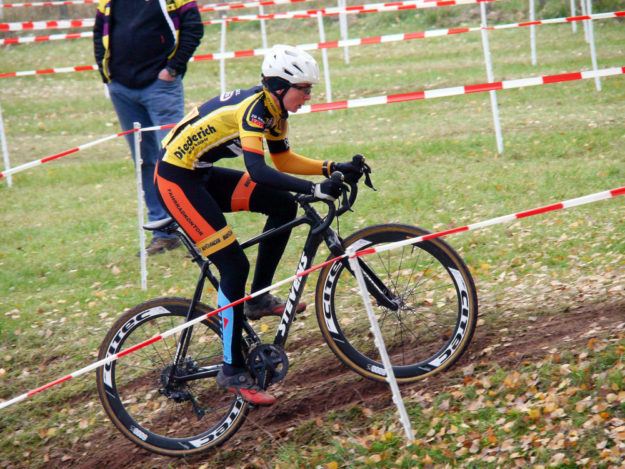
{"x":157,"y":405}
{"x":429,"y":321}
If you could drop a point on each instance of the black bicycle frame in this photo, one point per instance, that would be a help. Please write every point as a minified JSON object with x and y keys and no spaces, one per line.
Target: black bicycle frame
{"x":313,"y":240}
{"x":315,"y":236}
{"x":311,"y":217}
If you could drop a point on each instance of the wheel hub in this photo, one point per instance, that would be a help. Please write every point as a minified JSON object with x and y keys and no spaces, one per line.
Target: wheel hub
{"x":173,"y":387}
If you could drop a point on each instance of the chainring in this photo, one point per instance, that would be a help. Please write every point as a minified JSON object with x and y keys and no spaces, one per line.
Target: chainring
{"x":268,"y":364}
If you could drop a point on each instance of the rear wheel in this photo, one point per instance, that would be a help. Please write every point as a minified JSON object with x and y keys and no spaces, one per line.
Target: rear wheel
{"x":435,"y":310}
{"x":144,"y":396}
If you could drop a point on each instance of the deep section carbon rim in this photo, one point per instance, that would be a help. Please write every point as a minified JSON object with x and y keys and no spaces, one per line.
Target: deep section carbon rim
{"x":436,"y":311}
{"x":149,"y":401}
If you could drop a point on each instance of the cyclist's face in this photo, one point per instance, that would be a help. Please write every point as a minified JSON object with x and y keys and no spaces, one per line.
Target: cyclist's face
{"x":296,"y":96}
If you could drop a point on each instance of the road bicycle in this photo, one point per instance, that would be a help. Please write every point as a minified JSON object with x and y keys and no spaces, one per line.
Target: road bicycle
{"x":164,"y":396}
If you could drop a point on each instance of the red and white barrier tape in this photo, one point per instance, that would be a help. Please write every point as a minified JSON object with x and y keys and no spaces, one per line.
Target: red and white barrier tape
{"x":459,"y":90}
{"x":205,"y":8}
{"x":237,"y":6}
{"x":570,"y":19}
{"x":374,"y":101}
{"x":161,"y":336}
{"x":44,"y":25}
{"x":493,"y":221}
{"x":54,"y":24}
{"x":32,"y":164}
{"x":47,"y":159}
{"x":402,"y":37}
{"x":309,"y":46}
{"x":47,"y":71}
{"x":47,"y":37}
{"x":48,"y":4}
{"x":596,"y":197}
{"x":369,"y":8}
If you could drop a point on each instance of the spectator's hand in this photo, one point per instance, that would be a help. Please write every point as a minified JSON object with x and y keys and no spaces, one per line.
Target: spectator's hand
{"x":329,"y":189}
{"x":165,"y":75}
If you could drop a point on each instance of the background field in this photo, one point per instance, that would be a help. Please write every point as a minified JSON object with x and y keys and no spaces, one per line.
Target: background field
{"x":69,"y":236}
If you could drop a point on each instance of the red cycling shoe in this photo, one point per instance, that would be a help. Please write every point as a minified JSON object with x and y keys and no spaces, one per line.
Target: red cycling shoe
{"x":268,"y":305}
{"x":243,"y":385}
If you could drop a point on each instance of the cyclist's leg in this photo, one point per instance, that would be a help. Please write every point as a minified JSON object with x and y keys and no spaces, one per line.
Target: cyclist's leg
{"x":185,"y":194}
{"x":280,"y":208}
{"x":200,"y":216}
{"x":233,"y":268}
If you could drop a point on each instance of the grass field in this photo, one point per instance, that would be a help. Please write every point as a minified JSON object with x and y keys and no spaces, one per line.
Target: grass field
{"x":69,"y":231}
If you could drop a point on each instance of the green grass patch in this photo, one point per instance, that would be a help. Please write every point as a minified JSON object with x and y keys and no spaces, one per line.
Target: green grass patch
{"x":69,"y":233}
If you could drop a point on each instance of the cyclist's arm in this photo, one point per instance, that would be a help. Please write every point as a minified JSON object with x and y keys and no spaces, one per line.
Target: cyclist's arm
{"x":290,"y":162}
{"x":254,"y":158}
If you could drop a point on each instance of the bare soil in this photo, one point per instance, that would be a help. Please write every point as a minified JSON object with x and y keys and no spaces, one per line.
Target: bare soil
{"x":311,"y":391}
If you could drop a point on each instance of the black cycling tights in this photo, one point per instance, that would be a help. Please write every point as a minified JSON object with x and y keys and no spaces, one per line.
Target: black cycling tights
{"x":197,"y":200}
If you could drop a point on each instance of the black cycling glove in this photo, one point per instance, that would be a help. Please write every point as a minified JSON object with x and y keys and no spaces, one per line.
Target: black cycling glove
{"x":329,"y":189}
{"x":352,"y":170}
{"x":347,"y":168}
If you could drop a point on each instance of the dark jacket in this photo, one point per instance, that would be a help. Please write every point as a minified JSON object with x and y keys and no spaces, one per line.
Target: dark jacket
{"x":133,"y":40}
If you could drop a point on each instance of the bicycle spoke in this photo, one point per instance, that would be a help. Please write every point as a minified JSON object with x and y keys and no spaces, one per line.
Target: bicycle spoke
{"x":148,"y":394}
{"x":427,"y":312}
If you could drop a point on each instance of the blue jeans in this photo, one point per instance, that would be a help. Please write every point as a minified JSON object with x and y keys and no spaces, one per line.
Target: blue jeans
{"x":159,"y":103}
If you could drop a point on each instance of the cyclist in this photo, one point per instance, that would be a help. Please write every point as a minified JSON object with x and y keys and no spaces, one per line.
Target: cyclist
{"x":197,"y":193}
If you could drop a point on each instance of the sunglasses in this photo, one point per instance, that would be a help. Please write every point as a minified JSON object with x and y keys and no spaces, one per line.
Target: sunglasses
{"x":306,"y":90}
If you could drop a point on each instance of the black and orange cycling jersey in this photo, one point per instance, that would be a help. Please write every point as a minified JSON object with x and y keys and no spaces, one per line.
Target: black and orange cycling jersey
{"x":197,"y":193}
{"x":234,"y":124}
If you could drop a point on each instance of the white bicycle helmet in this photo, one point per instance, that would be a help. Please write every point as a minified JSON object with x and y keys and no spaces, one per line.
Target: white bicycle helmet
{"x":291,"y":64}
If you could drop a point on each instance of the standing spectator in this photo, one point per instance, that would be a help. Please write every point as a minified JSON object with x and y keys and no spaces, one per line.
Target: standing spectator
{"x":142,"y":48}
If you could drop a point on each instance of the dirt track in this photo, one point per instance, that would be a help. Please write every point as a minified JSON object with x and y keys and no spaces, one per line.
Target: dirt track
{"x":310,"y":392}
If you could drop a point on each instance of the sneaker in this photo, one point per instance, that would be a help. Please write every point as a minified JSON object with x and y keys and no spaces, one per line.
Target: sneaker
{"x":160,"y":244}
{"x":268,"y":305}
{"x":243,"y":385}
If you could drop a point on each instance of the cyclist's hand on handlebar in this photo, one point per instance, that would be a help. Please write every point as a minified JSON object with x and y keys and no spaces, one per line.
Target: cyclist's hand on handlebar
{"x":354,"y":169}
{"x":350,"y":171}
{"x":329,"y":189}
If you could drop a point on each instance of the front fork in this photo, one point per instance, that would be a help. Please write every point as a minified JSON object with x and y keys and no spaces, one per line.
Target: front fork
{"x":382,"y":294}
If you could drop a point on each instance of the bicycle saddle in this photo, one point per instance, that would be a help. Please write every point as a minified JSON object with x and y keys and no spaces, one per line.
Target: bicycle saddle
{"x":166,"y":224}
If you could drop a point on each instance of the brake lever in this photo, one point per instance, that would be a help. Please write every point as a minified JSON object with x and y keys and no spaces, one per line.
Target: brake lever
{"x":358,"y":160}
{"x":367,"y":172}
{"x":345,"y":199}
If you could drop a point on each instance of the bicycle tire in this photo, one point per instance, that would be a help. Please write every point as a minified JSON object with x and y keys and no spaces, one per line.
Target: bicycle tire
{"x":434,"y":324}
{"x":129,"y":387}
